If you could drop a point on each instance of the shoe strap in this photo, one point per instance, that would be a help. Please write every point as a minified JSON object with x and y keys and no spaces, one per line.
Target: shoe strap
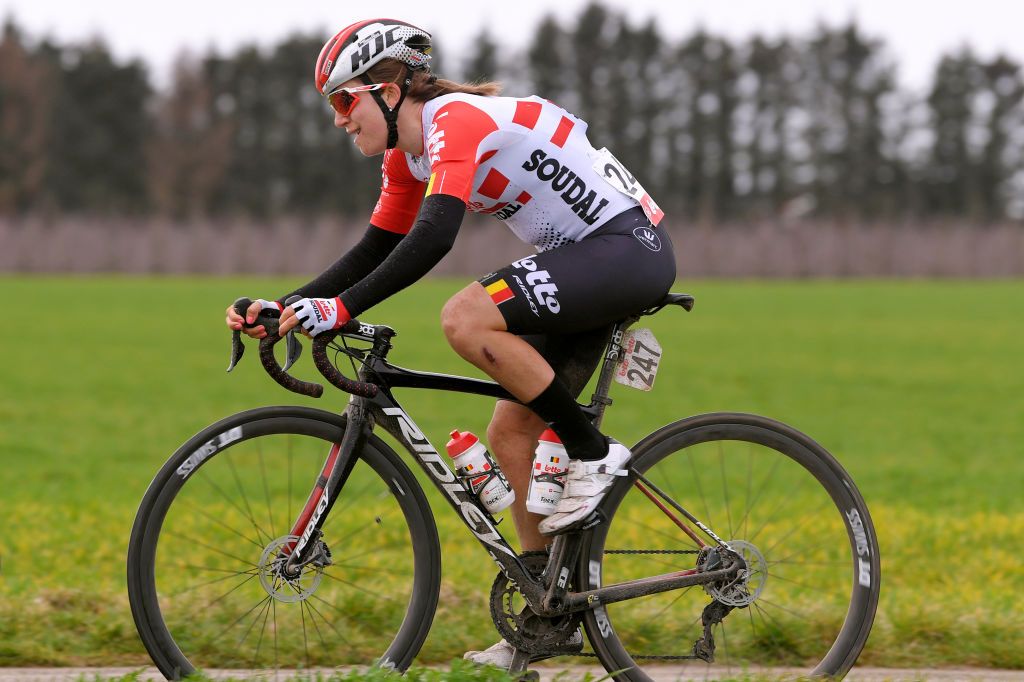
{"x":598,"y":468}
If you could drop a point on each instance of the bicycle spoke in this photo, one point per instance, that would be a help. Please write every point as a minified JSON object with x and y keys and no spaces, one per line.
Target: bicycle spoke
{"x":199,"y":606}
{"x":372,"y":569}
{"x":362,"y":528}
{"x":266,"y":489}
{"x":762,"y":488}
{"x":762,"y":495}
{"x":217,"y":583}
{"x":673,"y":602}
{"x":263,"y":629}
{"x":700,"y":491}
{"x":725,"y":490}
{"x":245,"y":499}
{"x":807,"y":563}
{"x":251,"y":571}
{"x":673,"y":537}
{"x":776,"y":576}
{"x":316,"y":627}
{"x":786,"y":500}
{"x":328,"y":623}
{"x":750,"y":478}
{"x":289,"y":519}
{"x":361,"y":589}
{"x":373,"y":550}
{"x":209,"y":582}
{"x":277,"y":664}
{"x":198,"y":510}
{"x":803,"y":524}
{"x":305,"y":640}
{"x":780,"y":607}
{"x":239,"y":619}
{"x":356,"y":496}
{"x":230,"y":501}
{"x":218,"y":599}
{"x":244,"y":562}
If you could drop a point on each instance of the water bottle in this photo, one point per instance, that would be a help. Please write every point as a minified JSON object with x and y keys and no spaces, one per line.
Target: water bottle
{"x":547,"y":480}
{"x":479,"y":472}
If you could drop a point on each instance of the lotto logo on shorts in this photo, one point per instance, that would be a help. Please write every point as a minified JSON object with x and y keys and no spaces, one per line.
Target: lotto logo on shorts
{"x":499,"y":291}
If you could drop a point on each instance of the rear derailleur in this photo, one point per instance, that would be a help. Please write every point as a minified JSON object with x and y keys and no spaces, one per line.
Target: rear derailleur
{"x":711,"y":559}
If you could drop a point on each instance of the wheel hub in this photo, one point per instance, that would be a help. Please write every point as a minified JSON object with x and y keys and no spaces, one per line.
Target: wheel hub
{"x":743,"y":589}
{"x":286,"y":585}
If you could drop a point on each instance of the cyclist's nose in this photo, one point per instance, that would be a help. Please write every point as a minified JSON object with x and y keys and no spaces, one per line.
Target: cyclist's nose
{"x":340,"y":120}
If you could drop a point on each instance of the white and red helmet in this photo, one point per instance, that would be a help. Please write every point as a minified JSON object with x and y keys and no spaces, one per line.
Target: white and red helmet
{"x":356,"y":48}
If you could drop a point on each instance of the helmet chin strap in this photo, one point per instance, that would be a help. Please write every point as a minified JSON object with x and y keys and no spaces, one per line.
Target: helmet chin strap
{"x":390,"y":114}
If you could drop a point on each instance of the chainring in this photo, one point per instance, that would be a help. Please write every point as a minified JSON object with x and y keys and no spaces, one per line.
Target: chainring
{"x":516,"y":621}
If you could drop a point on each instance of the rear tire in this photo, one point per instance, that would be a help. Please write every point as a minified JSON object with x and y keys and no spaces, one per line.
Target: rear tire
{"x":202,"y":588}
{"x":801,"y":521}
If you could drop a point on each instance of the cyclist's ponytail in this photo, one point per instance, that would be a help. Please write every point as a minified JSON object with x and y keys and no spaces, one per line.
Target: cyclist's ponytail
{"x":425,"y":85}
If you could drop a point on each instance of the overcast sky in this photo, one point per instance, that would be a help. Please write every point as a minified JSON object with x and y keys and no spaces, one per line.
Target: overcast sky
{"x":916,"y":31}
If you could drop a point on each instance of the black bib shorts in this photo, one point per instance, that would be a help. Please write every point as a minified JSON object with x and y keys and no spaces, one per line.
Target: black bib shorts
{"x":564,"y":301}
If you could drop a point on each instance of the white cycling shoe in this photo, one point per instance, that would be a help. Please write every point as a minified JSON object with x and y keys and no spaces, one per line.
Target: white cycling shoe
{"x":585,"y":487}
{"x":500,"y":654}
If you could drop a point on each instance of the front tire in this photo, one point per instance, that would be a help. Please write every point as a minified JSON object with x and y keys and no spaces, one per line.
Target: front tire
{"x":203,"y":590}
{"x":788,"y":507}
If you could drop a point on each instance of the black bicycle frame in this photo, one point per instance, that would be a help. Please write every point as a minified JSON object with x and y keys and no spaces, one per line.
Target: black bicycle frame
{"x":384,"y":409}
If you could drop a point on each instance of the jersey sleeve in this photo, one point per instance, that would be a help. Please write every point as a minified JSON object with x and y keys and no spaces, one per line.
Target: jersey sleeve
{"x":400,"y":195}
{"x":453,"y":143}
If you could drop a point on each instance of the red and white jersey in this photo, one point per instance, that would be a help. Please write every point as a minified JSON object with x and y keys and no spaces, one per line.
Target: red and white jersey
{"x":526,"y":161}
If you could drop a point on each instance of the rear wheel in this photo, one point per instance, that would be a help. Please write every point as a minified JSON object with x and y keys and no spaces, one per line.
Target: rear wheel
{"x":204,"y":575}
{"x":781,"y":501}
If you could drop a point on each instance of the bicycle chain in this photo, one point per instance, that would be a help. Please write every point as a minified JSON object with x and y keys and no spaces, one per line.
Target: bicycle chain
{"x":645,"y":657}
{"x":652,"y":551}
{"x":649,"y":657}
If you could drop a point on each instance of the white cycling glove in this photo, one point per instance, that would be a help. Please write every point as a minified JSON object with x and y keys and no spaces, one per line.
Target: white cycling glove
{"x":264,"y":305}
{"x":320,"y":314}
{"x":269,"y":305}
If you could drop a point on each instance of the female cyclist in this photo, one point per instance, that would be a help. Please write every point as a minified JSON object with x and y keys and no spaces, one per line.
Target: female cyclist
{"x":536,"y":326}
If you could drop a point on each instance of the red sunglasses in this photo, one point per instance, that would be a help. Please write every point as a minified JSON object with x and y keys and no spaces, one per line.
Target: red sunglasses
{"x":346,"y":99}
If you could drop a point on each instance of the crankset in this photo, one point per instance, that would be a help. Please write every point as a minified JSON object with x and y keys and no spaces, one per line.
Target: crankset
{"x":539,"y":636}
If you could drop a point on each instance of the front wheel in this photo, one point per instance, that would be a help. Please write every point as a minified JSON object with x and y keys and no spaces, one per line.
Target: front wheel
{"x":204,"y":562}
{"x":806,"y":602}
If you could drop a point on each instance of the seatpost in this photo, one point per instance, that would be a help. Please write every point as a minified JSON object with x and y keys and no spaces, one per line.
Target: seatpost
{"x":600,"y":400}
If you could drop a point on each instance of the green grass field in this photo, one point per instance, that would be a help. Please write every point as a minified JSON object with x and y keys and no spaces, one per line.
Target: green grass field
{"x":917,"y":387}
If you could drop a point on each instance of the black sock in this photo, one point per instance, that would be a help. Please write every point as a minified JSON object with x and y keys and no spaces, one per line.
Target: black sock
{"x":556,"y":406}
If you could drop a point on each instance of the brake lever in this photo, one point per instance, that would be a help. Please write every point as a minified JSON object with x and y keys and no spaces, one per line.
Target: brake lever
{"x":267,"y":318}
{"x":237,"y":349}
{"x":293,"y":349}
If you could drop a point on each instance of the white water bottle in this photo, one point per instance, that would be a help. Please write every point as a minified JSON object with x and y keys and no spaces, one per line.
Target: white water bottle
{"x":547,"y":479}
{"x":479,"y":472}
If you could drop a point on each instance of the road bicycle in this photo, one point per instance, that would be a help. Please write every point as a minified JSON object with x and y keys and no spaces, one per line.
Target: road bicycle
{"x":735,"y":542}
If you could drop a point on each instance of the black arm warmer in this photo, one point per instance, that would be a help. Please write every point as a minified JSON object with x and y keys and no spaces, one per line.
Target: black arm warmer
{"x":426,"y":244}
{"x":360,"y":261}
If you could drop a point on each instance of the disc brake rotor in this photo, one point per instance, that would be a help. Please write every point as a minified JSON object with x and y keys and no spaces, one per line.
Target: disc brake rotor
{"x":273,"y":577}
{"x":748,"y":584}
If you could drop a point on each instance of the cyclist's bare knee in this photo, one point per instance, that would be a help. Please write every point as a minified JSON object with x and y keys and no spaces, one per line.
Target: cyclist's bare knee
{"x":468,"y":313}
